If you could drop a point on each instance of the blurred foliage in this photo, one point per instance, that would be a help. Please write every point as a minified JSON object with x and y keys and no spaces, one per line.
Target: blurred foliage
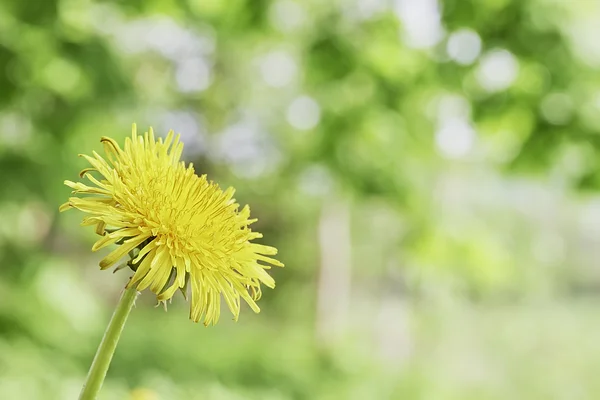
{"x":464,"y":137}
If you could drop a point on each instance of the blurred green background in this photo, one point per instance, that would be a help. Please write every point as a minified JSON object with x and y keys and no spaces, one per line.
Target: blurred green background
{"x":429,"y":171}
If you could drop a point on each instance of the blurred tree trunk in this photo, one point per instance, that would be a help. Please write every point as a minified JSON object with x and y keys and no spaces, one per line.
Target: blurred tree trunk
{"x":392,"y":330}
{"x":334,"y":280}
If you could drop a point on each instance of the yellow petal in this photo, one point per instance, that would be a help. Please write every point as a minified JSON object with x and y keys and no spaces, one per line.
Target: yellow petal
{"x":123,"y":249}
{"x":159,"y":264}
{"x":262,"y":249}
{"x":143,"y":267}
{"x":64,"y":207}
{"x":168,"y":293}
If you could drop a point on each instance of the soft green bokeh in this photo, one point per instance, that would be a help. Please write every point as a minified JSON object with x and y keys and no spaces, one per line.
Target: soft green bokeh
{"x":428,"y":170}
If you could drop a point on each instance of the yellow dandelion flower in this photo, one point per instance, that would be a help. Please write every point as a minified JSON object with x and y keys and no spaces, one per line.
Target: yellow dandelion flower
{"x":180,"y":229}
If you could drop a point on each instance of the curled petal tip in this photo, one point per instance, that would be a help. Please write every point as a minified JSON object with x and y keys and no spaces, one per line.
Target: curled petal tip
{"x":64,"y":207}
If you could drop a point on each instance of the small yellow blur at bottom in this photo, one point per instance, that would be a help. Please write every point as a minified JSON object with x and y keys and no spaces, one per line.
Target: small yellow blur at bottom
{"x":143,"y":394}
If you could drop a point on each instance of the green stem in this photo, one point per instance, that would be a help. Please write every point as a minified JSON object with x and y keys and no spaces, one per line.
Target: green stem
{"x":107,"y":347}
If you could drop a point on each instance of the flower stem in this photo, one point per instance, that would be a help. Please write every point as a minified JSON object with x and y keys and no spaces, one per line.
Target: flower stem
{"x":107,"y":347}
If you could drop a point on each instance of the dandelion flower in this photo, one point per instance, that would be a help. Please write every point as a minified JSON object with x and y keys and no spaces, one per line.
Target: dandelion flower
{"x":180,"y":229}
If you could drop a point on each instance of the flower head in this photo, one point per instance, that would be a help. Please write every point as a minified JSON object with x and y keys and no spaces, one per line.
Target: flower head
{"x":179,"y":228}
